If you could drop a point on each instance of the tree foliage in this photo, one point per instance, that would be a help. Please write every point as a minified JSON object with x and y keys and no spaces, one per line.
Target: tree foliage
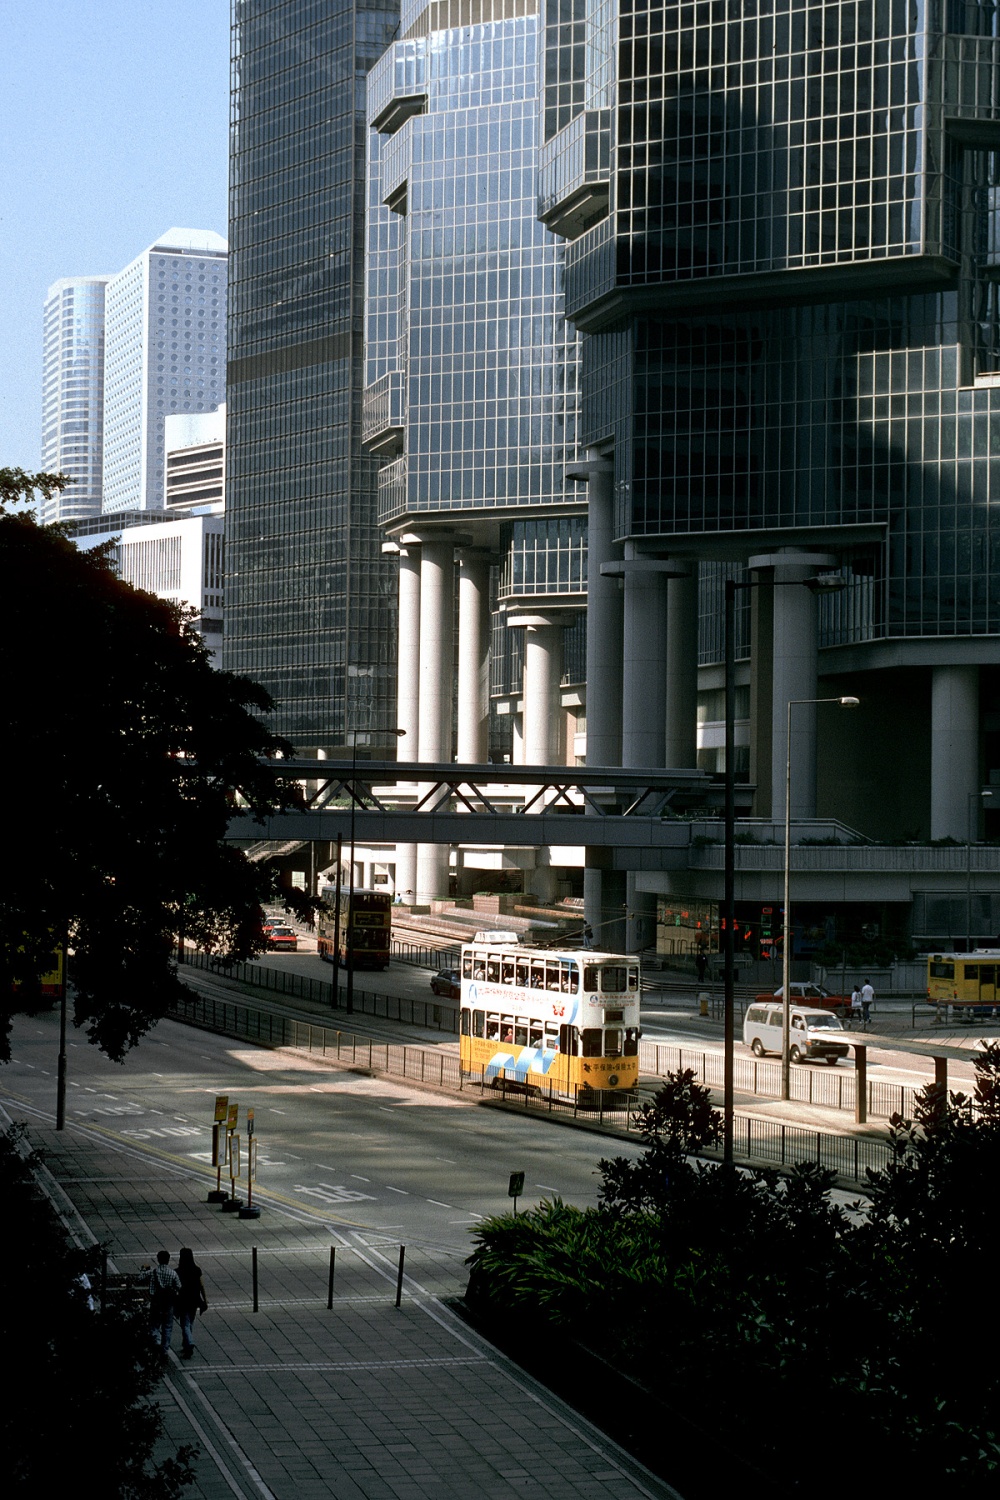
{"x":760,"y":1296}
{"x":78,"y":1418}
{"x":126,"y":753}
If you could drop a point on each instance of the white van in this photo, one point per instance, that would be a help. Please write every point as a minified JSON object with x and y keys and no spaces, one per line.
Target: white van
{"x":811,"y":1033}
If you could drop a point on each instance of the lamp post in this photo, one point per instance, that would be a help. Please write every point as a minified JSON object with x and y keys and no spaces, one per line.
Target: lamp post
{"x":821,"y":583}
{"x":786,"y":925}
{"x":973,"y":833}
{"x":349,"y":1001}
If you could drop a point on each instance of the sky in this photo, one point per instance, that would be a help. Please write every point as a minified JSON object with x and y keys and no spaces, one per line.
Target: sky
{"x":114,"y":119}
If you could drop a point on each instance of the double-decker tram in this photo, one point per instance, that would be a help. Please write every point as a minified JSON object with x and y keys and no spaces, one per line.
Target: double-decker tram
{"x":968,"y":981}
{"x":542,"y":1019}
{"x":370,"y":915}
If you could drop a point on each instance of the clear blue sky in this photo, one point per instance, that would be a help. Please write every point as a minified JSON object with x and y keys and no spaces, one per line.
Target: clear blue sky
{"x":113,"y":127}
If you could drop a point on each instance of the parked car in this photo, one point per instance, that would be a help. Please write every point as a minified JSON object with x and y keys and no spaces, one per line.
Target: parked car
{"x":447,"y":982}
{"x":812,"y":1034}
{"x":283,"y":938}
{"x":809,"y":994}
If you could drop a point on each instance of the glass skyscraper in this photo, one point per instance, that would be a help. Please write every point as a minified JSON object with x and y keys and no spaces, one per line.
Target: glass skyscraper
{"x":310,"y":598}
{"x":73,"y":395}
{"x":782,"y":225}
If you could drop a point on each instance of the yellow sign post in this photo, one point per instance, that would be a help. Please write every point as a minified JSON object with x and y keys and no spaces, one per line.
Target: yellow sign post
{"x":250,"y":1211}
{"x":232,"y":1204}
{"x":218,"y":1193}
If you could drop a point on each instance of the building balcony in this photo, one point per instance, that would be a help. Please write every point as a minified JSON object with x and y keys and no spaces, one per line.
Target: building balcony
{"x":574,"y":175}
{"x":392,"y":492}
{"x":383,"y":415}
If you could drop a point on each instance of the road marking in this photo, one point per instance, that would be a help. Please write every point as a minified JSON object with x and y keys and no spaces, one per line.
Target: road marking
{"x":277,"y":1111}
{"x":545,"y":1187}
{"x":355,"y":1175}
{"x":334,"y":1193}
{"x":396,"y":1190}
{"x":447,"y":1159}
{"x":438,"y":1204}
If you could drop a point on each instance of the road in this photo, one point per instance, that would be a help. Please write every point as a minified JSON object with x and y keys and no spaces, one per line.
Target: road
{"x":373,"y":1158}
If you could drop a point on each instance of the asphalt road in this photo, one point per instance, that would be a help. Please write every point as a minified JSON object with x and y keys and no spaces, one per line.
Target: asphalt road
{"x":371,"y":1156}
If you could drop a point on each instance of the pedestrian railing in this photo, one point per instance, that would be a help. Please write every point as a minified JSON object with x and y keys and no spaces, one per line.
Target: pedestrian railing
{"x":427,"y":1013}
{"x":426,"y":958}
{"x":833,"y":1087}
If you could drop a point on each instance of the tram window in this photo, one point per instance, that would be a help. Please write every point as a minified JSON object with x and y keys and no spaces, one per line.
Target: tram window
{"x":614,"y":1015}
{"x":479,"y":971}
{"x":507,"y":1028}
{"x":593,"y":1041}
{"x":492,"y":1028}
{"x":972,"y":971}
{"x":538,"y":976}
{"x":612,"y":1042}
{"x":942,"y":971}
{"x":590,"y":974}
{"x":521,"y":973}
{"x":493,"y":970}
{"x":466,"y":965}
{"x":631,"y":1048}
{"x":507,"y":971}
{"x":520,"y":1032}
{"x":552,"y":976}
{"x":478,"y":1023}
{"x":536,"y":1036}
{"x":987,"y":973}
{"x":633,"y":977}
{"x":466,"y":1023}
{"x":552,"y":1035}
{"x":567,"y":1040}
{"x":573,"y":976}
{"x":613,"y":978}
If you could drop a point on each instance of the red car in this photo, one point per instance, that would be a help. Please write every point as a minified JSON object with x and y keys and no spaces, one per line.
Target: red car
{"x":283,"y":938}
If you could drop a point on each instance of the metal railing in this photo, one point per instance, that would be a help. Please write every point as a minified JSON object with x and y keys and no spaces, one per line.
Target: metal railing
{"x":425,"y":958}
{"x":756,"y":1139}
{"x":835,"y":1087}
{"x":432,"y":1014}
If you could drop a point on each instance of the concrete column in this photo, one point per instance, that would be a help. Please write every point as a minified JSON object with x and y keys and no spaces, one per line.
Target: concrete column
{"x":604,"y":902}
{"x":517,"y":739}
{"x":789,"y":658}
{"x":681,"y":734}
{"x":543,"y":667}
{"x":408,"y":694}
{"x":604,"y":616}
{"x":954,"y":751}
{"x":473,"y":657}
{"x":644,"y":674}
{"x":437,"y":586}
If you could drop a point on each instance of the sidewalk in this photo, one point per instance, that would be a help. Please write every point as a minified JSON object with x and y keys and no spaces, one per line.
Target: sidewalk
{"x":295,"y":1402}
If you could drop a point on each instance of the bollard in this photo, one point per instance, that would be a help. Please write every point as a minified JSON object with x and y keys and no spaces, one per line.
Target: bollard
{"x":703,"y":1000}
{"x":333,"y":1266}
{"x":253,"y":1262}
{"x":399,"y":1277}
{"x":860,"y":1084}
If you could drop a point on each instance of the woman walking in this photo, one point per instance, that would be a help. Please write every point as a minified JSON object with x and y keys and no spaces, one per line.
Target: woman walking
{"x":191,"y":1299}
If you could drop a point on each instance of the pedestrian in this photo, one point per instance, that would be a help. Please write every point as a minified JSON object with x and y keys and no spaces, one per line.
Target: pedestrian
{"x":164,"y":1290}
{"x":855,"y":1005}
{"x":588,"y":935}
{"x":701,"y":964}
{"x":191,"y":1299}
{"x":867,"y":1000}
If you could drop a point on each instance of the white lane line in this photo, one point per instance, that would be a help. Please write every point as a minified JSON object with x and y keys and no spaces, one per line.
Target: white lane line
{"x":396,"y":1190}
{"x":357,"y":1177}
{"x":447,"y":1159}
{"x":545,"y":1187}
{"x":277,"y":1111}
{"x":438,"y":1204}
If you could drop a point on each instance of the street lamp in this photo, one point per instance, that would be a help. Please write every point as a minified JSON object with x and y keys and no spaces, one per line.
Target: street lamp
{"x":399,"y":733}
{"x":786,"y":928}
{"x":983,"y":796}
{"x":821,"y":583}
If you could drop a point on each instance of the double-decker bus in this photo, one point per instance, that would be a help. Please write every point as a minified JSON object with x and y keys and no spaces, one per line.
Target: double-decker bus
{"x":968,"y":981}
{"x":371,"y":926}
{"x":535,"y":1017}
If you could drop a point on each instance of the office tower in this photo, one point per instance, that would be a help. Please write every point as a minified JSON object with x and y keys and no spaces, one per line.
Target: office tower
{"x":165,"y":320}
{"x":310,"y":606}
{"x":196,"y":460}
{"x":73,"y":395}
{"x":782,"y":225}
{"x":471,"y":397}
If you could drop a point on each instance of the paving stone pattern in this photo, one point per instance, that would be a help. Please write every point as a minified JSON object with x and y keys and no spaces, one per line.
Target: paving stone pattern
{"x":364,"y":1402}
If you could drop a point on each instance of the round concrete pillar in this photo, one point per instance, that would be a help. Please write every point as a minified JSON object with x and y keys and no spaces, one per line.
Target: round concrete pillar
{"x":681,"y":733}
{"x":437,"y":583}
{"x":954,"y":752}
{"x":473,"y":657}
{"x":644,"y":675}
{"x":408,"y":695}
{"x":604,"y":619}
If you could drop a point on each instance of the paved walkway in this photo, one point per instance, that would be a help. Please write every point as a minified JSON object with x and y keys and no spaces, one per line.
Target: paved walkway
{"x":364,"y":1402}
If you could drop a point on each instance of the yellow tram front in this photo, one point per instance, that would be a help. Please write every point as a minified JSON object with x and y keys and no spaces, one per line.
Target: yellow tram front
{"x":543,"y":1020}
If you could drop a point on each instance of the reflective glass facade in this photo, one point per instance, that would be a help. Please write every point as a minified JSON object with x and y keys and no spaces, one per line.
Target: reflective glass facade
{"x":73,"y":395}
{"x":791,"y":304}
{"x":472,"y":370}
{"x":310,"y":600}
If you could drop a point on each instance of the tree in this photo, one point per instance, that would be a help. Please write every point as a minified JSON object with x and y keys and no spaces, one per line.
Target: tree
{"x":78,"y":1418}
{"x":127,"y":752}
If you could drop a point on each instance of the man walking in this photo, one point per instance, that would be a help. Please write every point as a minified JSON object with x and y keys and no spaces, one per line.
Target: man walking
{"x":164,"y":1290}
{"x":867,"y":1001}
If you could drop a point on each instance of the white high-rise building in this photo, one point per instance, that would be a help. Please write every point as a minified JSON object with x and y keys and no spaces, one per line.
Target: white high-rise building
{"x":165,"y":352}
{"x":73,"y":395}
